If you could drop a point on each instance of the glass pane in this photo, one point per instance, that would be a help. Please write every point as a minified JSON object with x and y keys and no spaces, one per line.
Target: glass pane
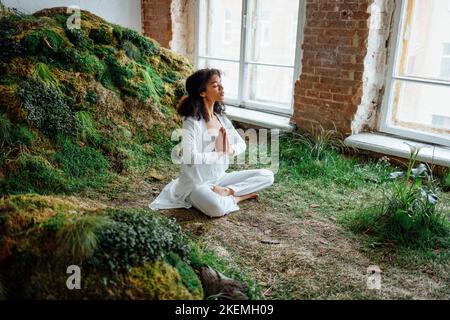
{"x":426,"y":40}
{"x":271,"y":85}
{"x":230,"y":75}
{"x":220,"y":28}
{"x":423,"y":107}
{"x":272,"y":31}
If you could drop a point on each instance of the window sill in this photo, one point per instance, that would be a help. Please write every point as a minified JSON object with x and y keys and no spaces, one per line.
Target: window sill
{"x":395,"y":146}
{"x":259,"y":118}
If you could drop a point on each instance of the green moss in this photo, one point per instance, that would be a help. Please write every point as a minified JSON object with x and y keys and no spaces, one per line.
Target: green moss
{"x":23,"y":136}
{"x":84,"y":166}
{"x":33,"y":174}
{"x":10,"y":47}
{"x":81,"y":61}
{"x":161,"y":145}
{"x":102,"y":35}
{"x":43,"y":43}
{"x":79,"y":38}
{"x":146,"y":46}
{"x":132,"y":51}
{"x":148,"y":88}
{"x":91,"y":97}
{"x":187,"y":274}
{"x":157,"y":281}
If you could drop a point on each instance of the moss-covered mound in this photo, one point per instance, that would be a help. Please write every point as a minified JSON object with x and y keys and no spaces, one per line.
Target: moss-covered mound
{"x":79,"y":106}
{"x":122,"y":254}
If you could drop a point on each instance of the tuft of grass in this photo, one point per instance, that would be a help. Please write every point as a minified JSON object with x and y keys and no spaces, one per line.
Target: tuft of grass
{"x":408,"y":214}
{"x":88,"y":132}
{"x":77,"y":239}
{"x":44,"y":74}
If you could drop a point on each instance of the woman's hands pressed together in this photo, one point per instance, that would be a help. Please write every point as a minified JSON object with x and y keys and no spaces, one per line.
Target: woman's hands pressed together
{"x":222,"y":143}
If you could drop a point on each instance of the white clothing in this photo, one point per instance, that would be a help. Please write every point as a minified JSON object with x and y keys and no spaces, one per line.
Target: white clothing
{"x":202,"y":166}
{"x":242,"y":182}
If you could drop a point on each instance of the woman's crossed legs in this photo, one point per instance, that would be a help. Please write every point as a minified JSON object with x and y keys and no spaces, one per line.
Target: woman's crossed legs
{"x":221,"y":198}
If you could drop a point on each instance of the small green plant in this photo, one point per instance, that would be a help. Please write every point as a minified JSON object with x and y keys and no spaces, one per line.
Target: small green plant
{"x":47,"y":109}
{"x":319,"y":141}
{"x":134,"y":237}
{"x":409,"y":214}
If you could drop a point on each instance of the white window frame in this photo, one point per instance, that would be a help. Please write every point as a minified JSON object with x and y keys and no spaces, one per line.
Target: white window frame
{"x":243,"y":65}
{"x":395,"y":48}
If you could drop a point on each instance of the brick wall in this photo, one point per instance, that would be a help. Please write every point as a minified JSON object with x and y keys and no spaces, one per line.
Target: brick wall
{"x":157,"y":21}
{"x":334,"y":48}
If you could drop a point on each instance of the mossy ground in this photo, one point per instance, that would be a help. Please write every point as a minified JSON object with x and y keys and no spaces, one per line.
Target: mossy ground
{"x":81,"y":105}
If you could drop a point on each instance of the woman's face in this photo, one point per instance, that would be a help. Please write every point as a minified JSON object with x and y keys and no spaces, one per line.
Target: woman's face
{"x":214,"y":89}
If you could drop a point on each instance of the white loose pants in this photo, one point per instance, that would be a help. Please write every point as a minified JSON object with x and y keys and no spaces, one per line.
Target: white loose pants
{"x":243,"y":182}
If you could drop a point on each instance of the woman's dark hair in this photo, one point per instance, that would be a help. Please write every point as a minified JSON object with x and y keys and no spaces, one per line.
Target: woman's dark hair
{"x":192,"y":104}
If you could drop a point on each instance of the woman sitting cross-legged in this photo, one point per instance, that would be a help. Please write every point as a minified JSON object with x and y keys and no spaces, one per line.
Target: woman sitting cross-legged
{"x":208,"y":141}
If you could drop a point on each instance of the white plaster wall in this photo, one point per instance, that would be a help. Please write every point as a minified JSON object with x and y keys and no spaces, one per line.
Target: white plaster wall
{"x":125,"y":13}
{"x":375,"y":65}
{"x":183,"y":28}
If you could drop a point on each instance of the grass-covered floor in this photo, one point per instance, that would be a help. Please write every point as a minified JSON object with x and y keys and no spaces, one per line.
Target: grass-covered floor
{"x":309,"y":213}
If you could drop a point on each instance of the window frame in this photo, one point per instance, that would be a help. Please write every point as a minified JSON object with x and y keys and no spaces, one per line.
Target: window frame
{"x":395,"y":50}
{"x":243,"y":64}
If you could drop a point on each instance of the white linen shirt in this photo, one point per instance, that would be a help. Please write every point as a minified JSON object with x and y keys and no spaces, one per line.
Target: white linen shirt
{"x":199,"y":162}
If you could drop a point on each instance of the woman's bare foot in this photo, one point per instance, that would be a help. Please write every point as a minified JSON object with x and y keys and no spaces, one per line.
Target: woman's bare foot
{"x":223,"y":191}
{"x":253,"y":195}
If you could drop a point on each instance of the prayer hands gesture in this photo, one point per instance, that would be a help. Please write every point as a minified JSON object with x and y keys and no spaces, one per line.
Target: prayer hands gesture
{"x":222,"y":143}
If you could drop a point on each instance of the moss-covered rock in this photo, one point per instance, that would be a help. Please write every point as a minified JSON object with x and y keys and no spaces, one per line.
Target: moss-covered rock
{"x":123,"y":254}
{"x":84,"y":85}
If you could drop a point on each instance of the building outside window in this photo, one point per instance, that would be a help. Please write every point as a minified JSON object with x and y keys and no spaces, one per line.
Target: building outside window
{"x":253,"y":47}
{"x":417,"y":100}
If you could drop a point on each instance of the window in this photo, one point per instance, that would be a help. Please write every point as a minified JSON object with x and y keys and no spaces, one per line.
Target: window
{"x":228,"y":26}
{"x":445,"y":62}
{"x":417,"y":101}
{"x":248,"y":40}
